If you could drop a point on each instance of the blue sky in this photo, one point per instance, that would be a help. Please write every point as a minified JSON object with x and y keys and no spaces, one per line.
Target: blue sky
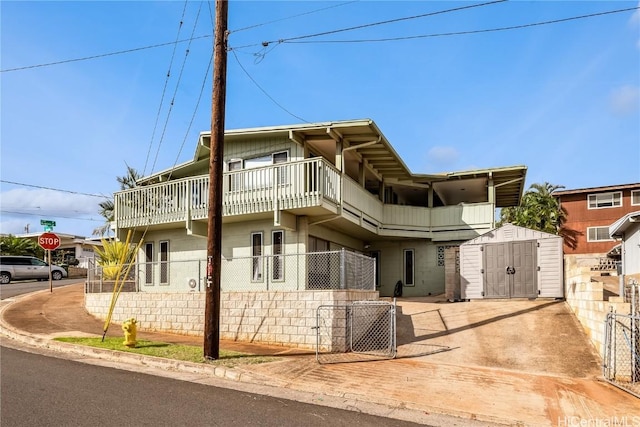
{"x":562,"y":99}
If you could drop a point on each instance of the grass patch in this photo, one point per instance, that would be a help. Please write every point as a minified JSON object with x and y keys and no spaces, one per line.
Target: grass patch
{"x":187,"y":353}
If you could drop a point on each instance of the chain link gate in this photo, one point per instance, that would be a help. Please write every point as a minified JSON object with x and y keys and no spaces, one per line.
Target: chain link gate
{"x":621,"y":359}
{"x":361,"y":330}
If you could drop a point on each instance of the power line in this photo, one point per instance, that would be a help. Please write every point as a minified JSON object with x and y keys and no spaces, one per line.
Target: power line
{"x":51,"y":215}
{"x":291,"y":17}
{"x":136,"y":49}
{"x":54,"y":189}
{"x":457,"y":33}
{"x":389,"y":21}
{"x":164,"y":91}
{"x":103,"y":55}
{"x":265,"y":92}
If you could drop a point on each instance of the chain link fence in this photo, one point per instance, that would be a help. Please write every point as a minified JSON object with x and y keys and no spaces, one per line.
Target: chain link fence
{"x":621,"y":359}
{"x":362,"y":330}
{"x":307,"y":271}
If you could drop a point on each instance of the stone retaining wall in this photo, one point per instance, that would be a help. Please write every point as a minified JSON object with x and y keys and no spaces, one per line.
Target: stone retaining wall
{"x":269,"y":317}
{"x":585,"y":296}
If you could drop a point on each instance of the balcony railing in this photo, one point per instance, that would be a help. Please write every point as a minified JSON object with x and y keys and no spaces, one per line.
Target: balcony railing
{"x":294,"y":186}
{"x":285,"y":186}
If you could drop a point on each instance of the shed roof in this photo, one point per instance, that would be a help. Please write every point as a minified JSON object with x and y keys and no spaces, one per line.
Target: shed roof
{"x":509,"y":232}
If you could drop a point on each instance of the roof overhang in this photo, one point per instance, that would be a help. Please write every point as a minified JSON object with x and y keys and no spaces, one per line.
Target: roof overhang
{"x":618,"y":228}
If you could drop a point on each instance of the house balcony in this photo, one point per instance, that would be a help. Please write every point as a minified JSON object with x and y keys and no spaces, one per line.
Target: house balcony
{"x":312,"y":187}
{"x":308,"y":187}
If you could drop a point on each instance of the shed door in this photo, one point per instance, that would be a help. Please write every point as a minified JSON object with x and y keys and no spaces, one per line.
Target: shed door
{"x":510,"y":270}
{"x":495,"y":278}
{"x":523,"y":261}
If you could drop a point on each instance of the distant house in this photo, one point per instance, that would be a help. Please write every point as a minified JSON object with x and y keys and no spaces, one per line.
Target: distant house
{"x":295,"y":195}
{"x":590,"y":212}
{"x":627,"y":229}
{"x":71,"y":248}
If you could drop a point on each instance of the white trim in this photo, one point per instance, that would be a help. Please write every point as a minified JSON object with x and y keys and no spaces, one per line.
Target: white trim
{"x":162,"y":262}
{"x":635,"y":193}
{"x":277,"y":258}
{"x":257,"y":258}
{"x":590,"y":240}
{"x":612,"y":194}
{"x":413,"y":267}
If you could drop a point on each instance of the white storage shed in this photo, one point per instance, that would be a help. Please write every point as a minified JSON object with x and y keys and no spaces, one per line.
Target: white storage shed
{"x":512,"y":262}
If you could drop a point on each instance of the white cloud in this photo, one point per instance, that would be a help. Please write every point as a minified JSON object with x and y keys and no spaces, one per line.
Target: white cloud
{"x":625,"y":100}
{"x":20,"y":207}
{"x":443,"y":156}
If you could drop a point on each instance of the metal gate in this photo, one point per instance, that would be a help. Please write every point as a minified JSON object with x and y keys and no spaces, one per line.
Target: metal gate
{"x":510,"y":270}
{"x":361,"y":330}
{"x":621,"y":359}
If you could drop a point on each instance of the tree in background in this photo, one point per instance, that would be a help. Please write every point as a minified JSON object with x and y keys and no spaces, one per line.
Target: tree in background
{"x":540,"y":210}
{"x":107,"y":207}
{"x":12,"y":245}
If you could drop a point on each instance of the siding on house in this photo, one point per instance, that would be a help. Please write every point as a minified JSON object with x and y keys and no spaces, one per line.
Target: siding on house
{"x":580,"y":218}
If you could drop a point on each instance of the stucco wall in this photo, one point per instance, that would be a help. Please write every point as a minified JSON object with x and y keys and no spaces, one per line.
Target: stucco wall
{"x":269,"y":317}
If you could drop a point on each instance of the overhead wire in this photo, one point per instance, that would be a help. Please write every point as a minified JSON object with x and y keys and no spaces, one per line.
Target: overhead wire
{"x":164,"y":89}
{"x":154,"y":46}
{"x":197,"y":106}
{"x":388,"y":21}
{"x":265,"y":92}
{"x":51,"y":215}
{"x":53,"y":189}
{"x":250,"y":27}
{"x":173,"y":98}
{"x":488,"y":30}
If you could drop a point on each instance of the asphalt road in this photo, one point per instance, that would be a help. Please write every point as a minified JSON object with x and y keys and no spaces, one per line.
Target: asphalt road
{"x":38,"y":390}
{"x":27,"y":286}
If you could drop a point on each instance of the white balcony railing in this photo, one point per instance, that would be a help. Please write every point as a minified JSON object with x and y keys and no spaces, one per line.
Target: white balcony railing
{"x":288,"y":186}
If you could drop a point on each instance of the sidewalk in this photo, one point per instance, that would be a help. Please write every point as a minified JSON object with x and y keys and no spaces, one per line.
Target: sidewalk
{"x":412,"y":388}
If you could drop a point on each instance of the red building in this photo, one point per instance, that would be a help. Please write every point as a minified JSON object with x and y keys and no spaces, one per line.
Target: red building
{"x":590,"y":212}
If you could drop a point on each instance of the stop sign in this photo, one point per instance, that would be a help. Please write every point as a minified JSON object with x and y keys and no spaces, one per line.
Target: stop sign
{"x":49,"y":241}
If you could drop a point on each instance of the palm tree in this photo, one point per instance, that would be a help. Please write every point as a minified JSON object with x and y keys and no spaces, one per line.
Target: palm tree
{"x":12,"y":245}
{"x":540,"y":210}
{"x":107,"y":208}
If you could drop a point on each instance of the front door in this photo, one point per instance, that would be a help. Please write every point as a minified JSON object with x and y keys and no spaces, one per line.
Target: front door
{"x":510,"y":270}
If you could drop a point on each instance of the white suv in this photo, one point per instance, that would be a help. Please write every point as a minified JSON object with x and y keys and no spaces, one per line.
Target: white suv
{"x":27,"y":267}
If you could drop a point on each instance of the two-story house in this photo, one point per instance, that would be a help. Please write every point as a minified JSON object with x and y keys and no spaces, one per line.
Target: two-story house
{"x":590,"y":212}
{"x":291,"y":192}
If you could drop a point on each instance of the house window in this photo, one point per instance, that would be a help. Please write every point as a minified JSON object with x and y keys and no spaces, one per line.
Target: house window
{"x":605,"y":200}
{"x":148,"y":263}
{"x":164,"y":262}
{"x":635,"y":197}
{"x":256,"y":254}
{"x":278,"y":158}
{"x":278,"y":259}
{"x":409,"y":259}
{"x":598,"y":234}
{"x":235,"y":179}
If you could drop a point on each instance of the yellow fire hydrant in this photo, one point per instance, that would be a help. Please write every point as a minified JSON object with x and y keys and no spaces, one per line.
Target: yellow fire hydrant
{"x":130,"y":330}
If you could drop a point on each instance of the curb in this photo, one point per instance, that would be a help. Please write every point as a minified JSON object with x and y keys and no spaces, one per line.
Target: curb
{"x":347,"y":400}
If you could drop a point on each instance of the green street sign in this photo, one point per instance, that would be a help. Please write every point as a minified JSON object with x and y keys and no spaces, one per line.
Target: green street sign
{"x":47,"y":223}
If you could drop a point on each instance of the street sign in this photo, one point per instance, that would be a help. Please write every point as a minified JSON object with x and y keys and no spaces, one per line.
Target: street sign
{"x":48,"y":224}
{"x":49,"y":241}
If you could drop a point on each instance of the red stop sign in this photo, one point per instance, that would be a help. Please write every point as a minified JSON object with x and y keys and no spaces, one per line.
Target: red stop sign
{"x":49,"y":241}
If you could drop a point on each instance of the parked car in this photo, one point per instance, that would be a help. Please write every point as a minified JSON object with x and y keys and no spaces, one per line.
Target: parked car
{"x":27,"y":267}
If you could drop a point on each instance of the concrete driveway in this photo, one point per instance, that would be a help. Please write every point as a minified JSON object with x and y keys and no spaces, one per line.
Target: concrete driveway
{"x":534,"y":336}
